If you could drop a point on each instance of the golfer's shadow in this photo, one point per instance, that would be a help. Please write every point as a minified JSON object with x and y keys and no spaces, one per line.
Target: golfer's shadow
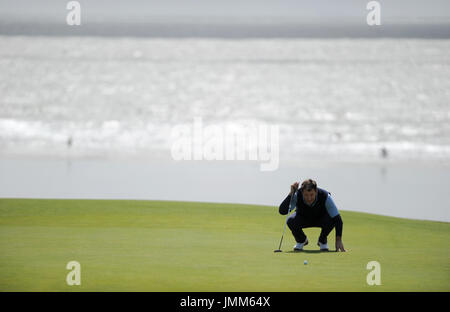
{"x":309,"y":251}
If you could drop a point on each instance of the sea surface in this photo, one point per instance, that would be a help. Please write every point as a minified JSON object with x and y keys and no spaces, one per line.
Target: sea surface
{"x":91,"y":117}
{"x":339,"y":99}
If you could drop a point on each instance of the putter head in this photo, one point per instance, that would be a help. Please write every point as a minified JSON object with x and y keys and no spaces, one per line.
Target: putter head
{"x":278,"y":250}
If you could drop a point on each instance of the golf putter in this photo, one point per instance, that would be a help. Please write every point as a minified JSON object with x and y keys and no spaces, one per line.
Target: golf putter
{"x":285,"y":223}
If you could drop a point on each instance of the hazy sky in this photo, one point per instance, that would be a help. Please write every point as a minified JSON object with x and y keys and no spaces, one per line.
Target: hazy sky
{"x":298,"y":10}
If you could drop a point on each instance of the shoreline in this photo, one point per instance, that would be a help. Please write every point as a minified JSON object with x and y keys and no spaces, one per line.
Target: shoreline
{"x":392,"y":190}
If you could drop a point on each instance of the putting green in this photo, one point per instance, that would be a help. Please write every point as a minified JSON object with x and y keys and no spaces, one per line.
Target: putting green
{"x":184,"y":246}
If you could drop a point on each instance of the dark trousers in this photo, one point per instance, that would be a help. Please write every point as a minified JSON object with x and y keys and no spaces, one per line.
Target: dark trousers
{"x":297,"y":223}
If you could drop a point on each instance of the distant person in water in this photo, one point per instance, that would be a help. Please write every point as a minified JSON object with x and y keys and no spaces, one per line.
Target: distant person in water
{"x":315,"y":208}
{"x":69,"y":142}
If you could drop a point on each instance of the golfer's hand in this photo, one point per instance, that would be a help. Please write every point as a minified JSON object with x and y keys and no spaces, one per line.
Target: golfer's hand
{"x":294,"y":187}
{"x":339,"y":245}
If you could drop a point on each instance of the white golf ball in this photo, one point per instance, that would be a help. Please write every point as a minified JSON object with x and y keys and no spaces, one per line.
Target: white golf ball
{"x":305,"y":262}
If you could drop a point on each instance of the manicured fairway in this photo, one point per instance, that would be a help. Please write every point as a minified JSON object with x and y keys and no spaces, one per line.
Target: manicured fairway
{"x":185,"y":246}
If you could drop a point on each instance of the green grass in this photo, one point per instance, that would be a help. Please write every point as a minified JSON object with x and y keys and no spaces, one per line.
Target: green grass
{"x":185,"y":246}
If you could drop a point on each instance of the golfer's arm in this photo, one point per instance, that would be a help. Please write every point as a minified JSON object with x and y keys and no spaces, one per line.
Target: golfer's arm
{"x":334,"y":214}
{"x":284,"y":207}
{"x":339,"y":225}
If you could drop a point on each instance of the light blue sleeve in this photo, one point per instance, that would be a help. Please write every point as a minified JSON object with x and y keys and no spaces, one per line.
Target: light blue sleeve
{"x":293,"y":202}
{"x":331,"y":207}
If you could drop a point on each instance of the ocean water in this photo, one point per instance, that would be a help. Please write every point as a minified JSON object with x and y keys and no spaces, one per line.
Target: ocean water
{"x":91,"y":117}
{"x":332,"y":99}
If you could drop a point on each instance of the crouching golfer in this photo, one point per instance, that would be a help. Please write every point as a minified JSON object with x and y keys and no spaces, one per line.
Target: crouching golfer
{"x":315,"y":208}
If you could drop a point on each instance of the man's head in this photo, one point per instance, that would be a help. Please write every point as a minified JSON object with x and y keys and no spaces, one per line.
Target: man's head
{"x":309,"y":191}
